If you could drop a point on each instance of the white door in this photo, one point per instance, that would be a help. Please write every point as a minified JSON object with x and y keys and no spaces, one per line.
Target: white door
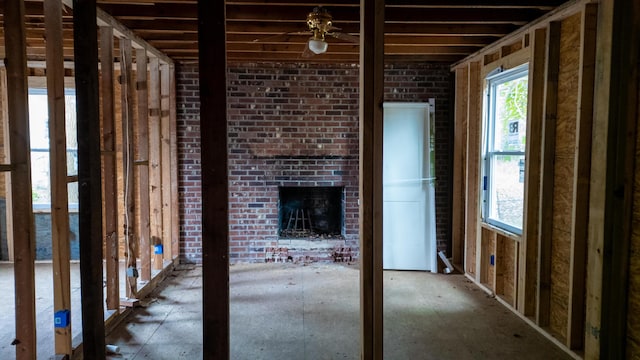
{"x":408,"y":201}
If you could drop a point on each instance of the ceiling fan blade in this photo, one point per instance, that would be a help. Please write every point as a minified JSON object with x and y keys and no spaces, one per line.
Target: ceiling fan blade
{"x":345,"y":37}
{"x":307,"y":53}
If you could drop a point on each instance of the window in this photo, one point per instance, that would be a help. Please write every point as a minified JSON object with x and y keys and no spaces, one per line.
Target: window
{"x":505,"y":140}
{"x":39,"y":139}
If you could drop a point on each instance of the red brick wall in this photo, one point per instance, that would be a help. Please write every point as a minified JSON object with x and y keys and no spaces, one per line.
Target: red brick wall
{"x":296,"y":125}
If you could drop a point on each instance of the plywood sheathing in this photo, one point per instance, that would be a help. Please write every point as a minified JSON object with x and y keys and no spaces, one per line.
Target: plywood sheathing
{"x":563,"y":196}
{"x":487,"y":253}
{"x":506,"y":266}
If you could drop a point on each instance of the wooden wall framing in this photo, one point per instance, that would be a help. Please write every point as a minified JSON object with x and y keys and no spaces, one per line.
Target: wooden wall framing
{"x":20,"y":191}
{"x":371,"y":124}
{"x":541,"y":274}
{"x":58,"y":174}
{"x":104,"y":102}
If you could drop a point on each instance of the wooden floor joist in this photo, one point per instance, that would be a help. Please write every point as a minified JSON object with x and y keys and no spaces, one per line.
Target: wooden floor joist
{"x":371,"y":125}
{"x":58,"y":173}
{"x":215,"y":188}
{"x":89,"y":178}
{"x":20,"y":193}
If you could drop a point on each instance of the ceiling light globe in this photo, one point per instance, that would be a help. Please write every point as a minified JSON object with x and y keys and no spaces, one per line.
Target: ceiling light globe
{"x":318,"y":46}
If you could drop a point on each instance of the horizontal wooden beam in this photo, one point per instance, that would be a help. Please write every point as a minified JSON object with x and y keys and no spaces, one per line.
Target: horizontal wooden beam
{"x":105,"y":19}
{"x":341,"y":15}
{"x":389,"y":39}
{"x":567,"y":8}
{"x":541,"y":4}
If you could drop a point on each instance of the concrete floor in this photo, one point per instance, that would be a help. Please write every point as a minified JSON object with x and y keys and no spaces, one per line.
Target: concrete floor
{"x":289,"y":311}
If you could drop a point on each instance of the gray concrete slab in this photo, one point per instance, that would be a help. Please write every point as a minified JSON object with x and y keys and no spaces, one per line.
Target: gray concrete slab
{"x":291,"y":311}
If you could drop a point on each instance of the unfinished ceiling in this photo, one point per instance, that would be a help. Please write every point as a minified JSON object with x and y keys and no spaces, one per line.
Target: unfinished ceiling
{"x":263,"y":30}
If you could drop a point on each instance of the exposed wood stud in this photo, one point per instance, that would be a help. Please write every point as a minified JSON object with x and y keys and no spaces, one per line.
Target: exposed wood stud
{"x":89,"y":178}
{"x":20,"y":193}
{"x":155,"y":166}
{"x":215,"y":212}
{"x":582,"y":169}
{"x":474,"y":143}
{"x":6,"y":167}
{"x":142,"y":170}
{"x":175,"y":203}
{"x":547,"y":171}
{"x":165,"y":136}
{"x":529,"y":249}
{"x":371,"y":124}
{"x":459,"y":167}
{"x":622,"y":76}
{"x":110,"y":175}
{"x":58,"y":171}
{"x":129,"y":220}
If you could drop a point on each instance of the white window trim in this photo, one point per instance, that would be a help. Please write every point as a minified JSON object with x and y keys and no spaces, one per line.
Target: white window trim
{"x":495,"y":78}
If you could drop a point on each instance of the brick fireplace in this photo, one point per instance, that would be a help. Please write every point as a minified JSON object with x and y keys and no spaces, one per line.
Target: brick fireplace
{"x":313,"y":213}
{"x":295,"y":126}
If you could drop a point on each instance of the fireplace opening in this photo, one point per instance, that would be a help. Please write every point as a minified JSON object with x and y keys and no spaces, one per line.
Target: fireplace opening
{"x":311,"y":212}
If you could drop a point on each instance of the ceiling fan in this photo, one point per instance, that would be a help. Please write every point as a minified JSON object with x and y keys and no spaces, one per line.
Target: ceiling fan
{"x":320,"y":23}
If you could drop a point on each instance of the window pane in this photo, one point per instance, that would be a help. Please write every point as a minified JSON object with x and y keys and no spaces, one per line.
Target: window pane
{"x":71,"y":132}
{"x":510,"y":115}
{"x":72,"y":193}
{"x":507,"y":189}
{"x":40,"y":189}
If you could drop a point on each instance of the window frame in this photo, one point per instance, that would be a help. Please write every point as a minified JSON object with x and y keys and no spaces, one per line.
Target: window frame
{"x":493,"y":80}
{"x":45,"y":207}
